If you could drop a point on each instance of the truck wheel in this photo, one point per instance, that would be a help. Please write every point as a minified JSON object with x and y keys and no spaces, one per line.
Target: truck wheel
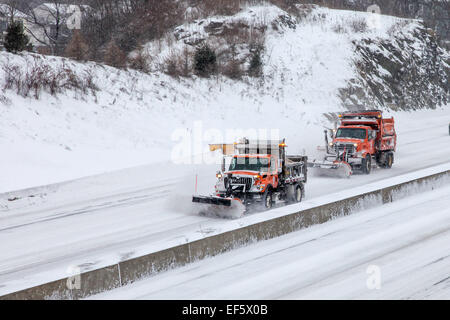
{"x":367,"y":165}
{"x":298,"y":193}
{"x":389,"y":160}
{"x":267,"y":200}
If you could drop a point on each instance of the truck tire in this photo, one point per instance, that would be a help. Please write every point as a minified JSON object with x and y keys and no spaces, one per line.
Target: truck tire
{"x":295,"y":193}
{"x":267,"y":199}
{"x":389,"y":160}
{"x":298,"y":193}
{"x":366,"y":165}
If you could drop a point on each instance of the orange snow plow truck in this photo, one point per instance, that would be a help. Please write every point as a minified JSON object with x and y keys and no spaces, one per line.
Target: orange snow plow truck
{"x":258,"y":174}
{"x":362,"y":140}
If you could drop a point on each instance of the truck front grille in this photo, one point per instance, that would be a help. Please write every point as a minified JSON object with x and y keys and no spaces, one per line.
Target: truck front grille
{"x":349,"y":148}
{"x":248,"y":182}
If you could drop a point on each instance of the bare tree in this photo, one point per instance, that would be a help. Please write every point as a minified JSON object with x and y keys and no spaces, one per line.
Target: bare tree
{"x":47,"y":24}
{"x":11,"y":9}
{"x":129,"y":23}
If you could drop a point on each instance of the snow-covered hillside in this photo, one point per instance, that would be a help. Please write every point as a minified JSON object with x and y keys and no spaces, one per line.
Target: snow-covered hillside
{"x":105,"y":119}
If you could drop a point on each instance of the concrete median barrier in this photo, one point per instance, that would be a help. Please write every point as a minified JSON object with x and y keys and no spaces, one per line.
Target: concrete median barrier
{"x":125,"y":272}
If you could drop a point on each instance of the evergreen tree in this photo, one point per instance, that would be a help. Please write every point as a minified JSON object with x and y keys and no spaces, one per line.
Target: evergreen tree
{"x":255,"y":67}
{"x":205,"y":61}
{"x":16,"y":40}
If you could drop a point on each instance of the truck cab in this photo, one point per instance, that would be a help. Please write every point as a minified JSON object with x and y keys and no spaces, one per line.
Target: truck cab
{"x":359,"y":140}
{"x":251,"y":173}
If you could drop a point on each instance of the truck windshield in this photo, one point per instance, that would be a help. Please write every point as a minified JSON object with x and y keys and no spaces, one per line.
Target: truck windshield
{"x":249,"y":164}
{"x":351,"y":133}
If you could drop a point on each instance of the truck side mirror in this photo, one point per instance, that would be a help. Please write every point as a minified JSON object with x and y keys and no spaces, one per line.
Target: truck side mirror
{"x":330,"y":133}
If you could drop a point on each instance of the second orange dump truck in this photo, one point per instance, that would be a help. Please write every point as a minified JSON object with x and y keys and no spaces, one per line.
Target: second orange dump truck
{"x":362,"y":140}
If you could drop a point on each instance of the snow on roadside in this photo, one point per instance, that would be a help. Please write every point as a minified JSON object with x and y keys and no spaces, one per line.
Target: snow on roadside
{"x":406,"y":248}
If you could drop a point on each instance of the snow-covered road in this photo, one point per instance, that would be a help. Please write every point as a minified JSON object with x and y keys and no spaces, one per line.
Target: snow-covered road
{"x":101,"y":220}
{"x":398,"y":251}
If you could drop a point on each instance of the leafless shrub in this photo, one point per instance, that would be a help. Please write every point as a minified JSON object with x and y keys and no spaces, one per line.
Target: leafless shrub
{"x":4,"y":100}
{"x":359,"y":26}
{"x":178,"y":64}
{"x":89,"y":82}
{"x":397,"y":27}
{"x":34,"y":79}
{"x":186,"y":67}
{"x":77,"y":48}
{"x":12,"y":75}
{"x":173,"y":65}
{"x":232,"y":69}
{"x":140,"y":62}
{"x":339,"y":28}
{"x":114,"y":56}
{"x":38,"y":76}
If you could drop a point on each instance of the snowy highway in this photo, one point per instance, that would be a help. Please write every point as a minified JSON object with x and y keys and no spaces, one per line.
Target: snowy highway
{"x":103,"y":149}
{"x":97,"y":221}
{"x":398,"y":251}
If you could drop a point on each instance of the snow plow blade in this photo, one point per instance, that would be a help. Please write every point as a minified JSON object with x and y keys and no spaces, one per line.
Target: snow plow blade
{"x":332,"y":169}
{"x":212,"y":200}
{"x":227,"y":208}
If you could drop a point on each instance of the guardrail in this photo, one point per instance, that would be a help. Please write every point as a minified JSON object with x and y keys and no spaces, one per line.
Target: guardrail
{"x":125,"y":272}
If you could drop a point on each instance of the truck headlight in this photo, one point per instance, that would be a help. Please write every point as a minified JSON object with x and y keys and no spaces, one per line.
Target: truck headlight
{"x":258,"y":187}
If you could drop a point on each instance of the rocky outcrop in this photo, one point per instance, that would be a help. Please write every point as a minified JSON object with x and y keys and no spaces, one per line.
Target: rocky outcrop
{"x":407,"y":72}
{"x":255,"y":19}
